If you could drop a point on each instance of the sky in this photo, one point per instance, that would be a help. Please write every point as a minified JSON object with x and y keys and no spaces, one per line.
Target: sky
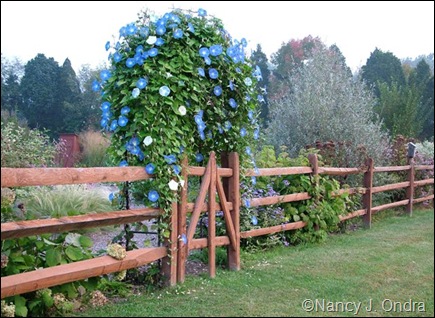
{"x":79,"y":30}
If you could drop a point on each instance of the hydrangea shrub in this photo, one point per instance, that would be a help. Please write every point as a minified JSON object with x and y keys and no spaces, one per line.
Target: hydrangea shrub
{"x":178,"y":85}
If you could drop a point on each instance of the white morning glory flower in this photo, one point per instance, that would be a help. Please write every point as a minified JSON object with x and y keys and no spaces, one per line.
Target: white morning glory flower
{"x":148,"y":141}
{"x":151,"y":40}
{"x":173,"y":185}
{"x":182,"y":110}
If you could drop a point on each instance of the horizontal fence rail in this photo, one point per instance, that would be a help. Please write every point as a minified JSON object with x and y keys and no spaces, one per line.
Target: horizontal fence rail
{"x":186,"y":215}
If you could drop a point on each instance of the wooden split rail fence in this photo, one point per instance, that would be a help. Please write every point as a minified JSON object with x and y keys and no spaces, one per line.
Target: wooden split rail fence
{"x":222,"y":182}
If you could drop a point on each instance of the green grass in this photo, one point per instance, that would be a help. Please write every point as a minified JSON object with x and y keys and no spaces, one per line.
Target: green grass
{"x":391,"y":262}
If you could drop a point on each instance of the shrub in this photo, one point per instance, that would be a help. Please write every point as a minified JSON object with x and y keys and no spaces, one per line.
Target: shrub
{"x":22,"y":147}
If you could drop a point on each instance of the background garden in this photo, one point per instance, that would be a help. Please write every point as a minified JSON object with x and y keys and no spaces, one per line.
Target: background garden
{"x":305,"y":100}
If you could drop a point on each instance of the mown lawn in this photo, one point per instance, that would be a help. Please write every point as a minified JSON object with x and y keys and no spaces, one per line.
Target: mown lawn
{"x":389,"y":268}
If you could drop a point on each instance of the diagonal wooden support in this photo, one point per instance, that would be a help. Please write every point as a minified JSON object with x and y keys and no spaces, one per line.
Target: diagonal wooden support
{"x":198,"y":203}
{"x":228,"y":220}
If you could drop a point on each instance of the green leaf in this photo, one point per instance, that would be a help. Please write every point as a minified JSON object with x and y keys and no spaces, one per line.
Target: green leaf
{"x":53,"y":257}
{"x":20,"y":306}
{"x":86,"y":241}
{"x":74,"y":253}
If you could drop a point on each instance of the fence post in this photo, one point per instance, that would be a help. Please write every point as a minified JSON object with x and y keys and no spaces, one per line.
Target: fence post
{"x":212,"y":219}
{"x":232,"y":192}
{"x":367,"y":197}
{"x":314,"y":162}
{"x":169,"y":262}
{"x":182,"y":224}
{"x":410,"y":189}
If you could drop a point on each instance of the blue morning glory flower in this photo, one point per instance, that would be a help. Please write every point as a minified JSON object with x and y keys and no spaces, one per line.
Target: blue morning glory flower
{"x":247,"y":203}
{"x":244,"y":42}
{"x":233,"y":103}
{"x":250,"y":114}
{"x":122,"y":31}
{"x":125,"y":110}
{"x":114,"y":125}
{"x":254,"y":180}
{"x":201,"y":71}
{"x":201,"y":135}
{"x":105,"y":107}
{"x":213,"y":73}
{"x":231,"y":85}
{"x":141,"y":83}
{"x":190,"y":27}
{"x":135,"y":92}
{"x":217,"y":90}
{"x":123,"y":163}
{"x":215,"y":50}
{"x":254,"y":220}
{"x":149,"y":168}
{"x":228,"y":125}
{"x":256,"y":134}
{"x":260,"y":98}
{"x":130,"y":62}
{"x":201,"y":126}
{"x":160,"y":30}
{"x":177,"y":169}
{"x":104,"y":122}
{"x":159,"y":42}
{"x":243,"y":132}
{"x":117,"y":57}
{"x":170,"y":159}
{"x":204,"y":52}
{"x":105,"y":75}
{"x":107,"y":45}
{"x":199,"y":157}
{"x":164,"y":91}
{"x":139,"y":49}
{"x":248,"y":81}
{"x":248,"y":151}
{"x":153,"y":195}
{"x":131,"y":29}
{"x":134,"y":141}
{"x":153,"y":52}
{"x":96,"y":86}
{"x":178,"y":34}
{"x":111,"y":196}
{"x":202,"y":12}
{"x":183,"y":238}
{"x":144,"y":31}
{"x":207,"y":60}
{"x":122,"y":121}
{"x":231,"y":51}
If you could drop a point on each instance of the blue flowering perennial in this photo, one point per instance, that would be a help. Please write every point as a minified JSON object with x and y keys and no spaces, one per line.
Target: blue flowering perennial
{"x":177,"y":81}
